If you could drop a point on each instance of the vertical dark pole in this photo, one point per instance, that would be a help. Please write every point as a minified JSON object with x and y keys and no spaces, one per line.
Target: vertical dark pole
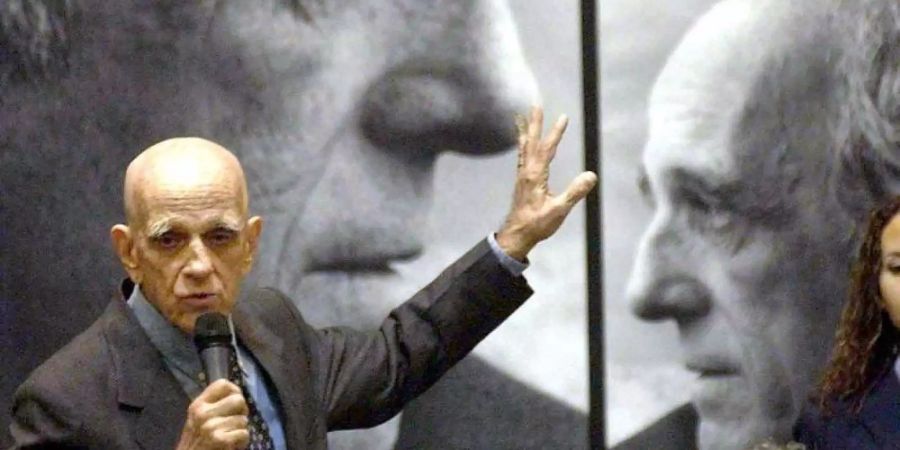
{"x":590,"y":57}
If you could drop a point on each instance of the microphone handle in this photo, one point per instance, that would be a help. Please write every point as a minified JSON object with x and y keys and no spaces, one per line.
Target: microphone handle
{"x":216,"y":362}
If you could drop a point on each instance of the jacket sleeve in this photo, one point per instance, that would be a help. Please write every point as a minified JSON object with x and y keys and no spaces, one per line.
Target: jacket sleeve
{"x":366,"y":378}
{"x":39,"y":423}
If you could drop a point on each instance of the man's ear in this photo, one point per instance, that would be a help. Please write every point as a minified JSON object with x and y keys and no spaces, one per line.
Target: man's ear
{"x":123,"y":242}
{"x":253,"y":231}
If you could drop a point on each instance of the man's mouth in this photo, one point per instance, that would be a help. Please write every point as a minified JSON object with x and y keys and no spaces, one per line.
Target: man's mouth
{"x":199,"y":299}
{"x":371,"y":267}
{"x":375,"y":263}
{"x":709,"y":372}
{"x":712,"y":366}
{"x":718,"y":386}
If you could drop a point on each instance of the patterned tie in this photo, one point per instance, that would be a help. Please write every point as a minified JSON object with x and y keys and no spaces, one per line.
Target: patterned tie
{"x":259,"y":431}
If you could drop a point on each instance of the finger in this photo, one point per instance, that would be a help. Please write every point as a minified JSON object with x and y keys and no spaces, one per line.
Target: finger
{"x":536,"y":123}
{"x":579,"y":188}
{"x":232,"y":405}
{"x":555,"y":135}
{"x":521,"y":126}
{"x":225,"y":432}
{"x":520,"y":157}
{"x":218,"y":390}
{"x":228,"y":423}
{"x":238,"y":439}
{"x":522,"y":129}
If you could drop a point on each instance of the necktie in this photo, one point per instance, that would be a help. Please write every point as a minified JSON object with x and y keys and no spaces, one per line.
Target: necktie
{"x":259,"y":431}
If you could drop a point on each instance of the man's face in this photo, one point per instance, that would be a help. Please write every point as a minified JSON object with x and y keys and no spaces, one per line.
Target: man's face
{"x":193,"y":247}
{"x":745,"y":251}
{"x":337,"y":111}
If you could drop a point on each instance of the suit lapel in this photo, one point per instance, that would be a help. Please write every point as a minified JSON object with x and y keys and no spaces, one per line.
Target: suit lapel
{"x":881,"y":411}
{"x":149,"y":396}
{"x":273,"y":350}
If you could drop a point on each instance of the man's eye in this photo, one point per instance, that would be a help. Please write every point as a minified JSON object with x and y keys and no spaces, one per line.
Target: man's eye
{"x":894,"y":269}
{"x":167,"y":241}
{"x":221,"y":237}
{"x":697,"y":203}
{"x":705,"y":214}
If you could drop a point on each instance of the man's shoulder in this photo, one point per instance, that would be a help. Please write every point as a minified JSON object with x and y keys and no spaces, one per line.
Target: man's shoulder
{"x":61,"y":392}
{"x":268,"y":304}
{"x":82,"y":361}
{"x":265,"y":308}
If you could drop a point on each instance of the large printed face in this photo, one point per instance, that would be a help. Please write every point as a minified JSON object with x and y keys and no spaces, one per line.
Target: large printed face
{"x":337,"y":110}
{"x":745,"y":252}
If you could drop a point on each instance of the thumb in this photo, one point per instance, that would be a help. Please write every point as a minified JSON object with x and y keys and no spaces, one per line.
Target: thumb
{"x":579,"y":188}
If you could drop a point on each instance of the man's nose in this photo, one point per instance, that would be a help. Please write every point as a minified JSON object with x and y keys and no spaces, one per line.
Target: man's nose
{"x":459,"y":90}
{"x":199,"y":264}
{"x":662,"y":284}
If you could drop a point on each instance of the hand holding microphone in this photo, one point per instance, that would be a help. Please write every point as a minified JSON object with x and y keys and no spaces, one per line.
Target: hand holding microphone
{"x":217,"y":418}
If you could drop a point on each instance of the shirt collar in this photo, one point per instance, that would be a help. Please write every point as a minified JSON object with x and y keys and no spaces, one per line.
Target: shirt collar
{"x":176,"y":347}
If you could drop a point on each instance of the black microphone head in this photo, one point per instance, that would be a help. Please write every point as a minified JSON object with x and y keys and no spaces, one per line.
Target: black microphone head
{"x":211,"y":329}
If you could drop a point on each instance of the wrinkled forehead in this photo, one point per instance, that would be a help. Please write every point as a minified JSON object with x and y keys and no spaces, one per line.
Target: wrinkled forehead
{"x":175,"y":206}
{"x":198,"y":186}
{"x":192,"y":195}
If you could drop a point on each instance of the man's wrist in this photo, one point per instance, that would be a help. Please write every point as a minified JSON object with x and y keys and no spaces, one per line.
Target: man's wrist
{"x":513,"y":246}
{"x":512,"y":265}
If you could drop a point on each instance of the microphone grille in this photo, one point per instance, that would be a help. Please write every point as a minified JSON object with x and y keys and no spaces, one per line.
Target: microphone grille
{"x":211,"y":328}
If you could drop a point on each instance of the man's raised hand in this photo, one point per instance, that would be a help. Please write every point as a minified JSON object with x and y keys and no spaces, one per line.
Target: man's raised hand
{"x":536,"y":213}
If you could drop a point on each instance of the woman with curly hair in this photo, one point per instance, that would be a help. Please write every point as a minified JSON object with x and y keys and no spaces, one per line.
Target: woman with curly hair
{"x":858,"y":403}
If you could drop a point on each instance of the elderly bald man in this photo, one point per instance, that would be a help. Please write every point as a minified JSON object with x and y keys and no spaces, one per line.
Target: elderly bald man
{"x":133,"y":379}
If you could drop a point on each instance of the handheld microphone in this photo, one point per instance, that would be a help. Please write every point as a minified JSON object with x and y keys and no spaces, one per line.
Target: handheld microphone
{"x":212,"y":336}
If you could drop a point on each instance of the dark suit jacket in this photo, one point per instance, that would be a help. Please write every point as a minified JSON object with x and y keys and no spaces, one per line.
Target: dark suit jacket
{"x":110,"y":389}
{"x":877,"y":426}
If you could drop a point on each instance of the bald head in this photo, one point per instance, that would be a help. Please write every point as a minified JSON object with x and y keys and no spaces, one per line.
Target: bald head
{"x":744,"y":53}
{"x":182,"y":164}
{"x":754,"y":82}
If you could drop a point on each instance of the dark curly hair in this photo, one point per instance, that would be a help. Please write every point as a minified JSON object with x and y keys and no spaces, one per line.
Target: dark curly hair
{"x":866,"y":340}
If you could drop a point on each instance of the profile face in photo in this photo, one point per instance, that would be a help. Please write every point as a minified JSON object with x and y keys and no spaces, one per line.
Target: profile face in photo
{"x":744,"y":252}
